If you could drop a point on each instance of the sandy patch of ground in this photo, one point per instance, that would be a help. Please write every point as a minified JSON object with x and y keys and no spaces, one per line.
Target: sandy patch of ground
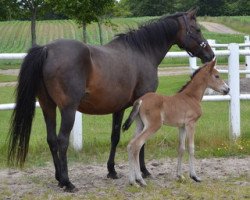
{"x":92,"y":178}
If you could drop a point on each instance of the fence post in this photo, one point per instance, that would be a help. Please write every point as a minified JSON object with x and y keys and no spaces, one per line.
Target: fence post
{"x":76,"y":133}
{"x":234,"y":84}
{"x":247,"y":58}
{"x":192,"y":64}
{"x":211,"y":42}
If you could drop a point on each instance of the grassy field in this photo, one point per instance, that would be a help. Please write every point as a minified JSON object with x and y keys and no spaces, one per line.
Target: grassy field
{"x":212,"y":132}
{"x":213,"y":142}
{"x":15,"y":35}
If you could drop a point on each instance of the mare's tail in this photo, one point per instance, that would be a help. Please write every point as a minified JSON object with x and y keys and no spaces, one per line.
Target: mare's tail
{"x":132,"y":115}
{"x":29,"y":81}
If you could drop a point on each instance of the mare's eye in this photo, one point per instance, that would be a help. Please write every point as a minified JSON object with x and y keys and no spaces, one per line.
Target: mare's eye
{"x":217,"y":76}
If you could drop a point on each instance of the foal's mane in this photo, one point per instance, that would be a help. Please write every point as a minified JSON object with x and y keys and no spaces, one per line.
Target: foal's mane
{"x":152,"y":34}
{"x":191,"y":77}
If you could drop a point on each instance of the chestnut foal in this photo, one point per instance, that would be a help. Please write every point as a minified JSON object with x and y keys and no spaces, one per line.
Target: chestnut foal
{"x":182,"y":110}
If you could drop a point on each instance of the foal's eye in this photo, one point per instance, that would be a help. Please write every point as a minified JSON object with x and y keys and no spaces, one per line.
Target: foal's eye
{"x":217,"y":76}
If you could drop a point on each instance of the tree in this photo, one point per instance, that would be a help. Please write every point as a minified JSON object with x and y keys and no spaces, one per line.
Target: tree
{"x":151,"y":7}
{"x":31,"y":8}
{"x":121,"y":9}
{"x":8,"y":10}
{"x":211,"y":7}
{"x":83,"y":12}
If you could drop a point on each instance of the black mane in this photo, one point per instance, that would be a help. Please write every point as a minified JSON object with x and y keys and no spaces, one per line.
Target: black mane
{"x":191,"y":77}
{"x":152,"y":34}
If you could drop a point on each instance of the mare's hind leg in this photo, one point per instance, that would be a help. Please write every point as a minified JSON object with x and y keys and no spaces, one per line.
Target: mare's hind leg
{"x":49,"y":113}
{"x":115,"y":138}
{"x":67,"y":122}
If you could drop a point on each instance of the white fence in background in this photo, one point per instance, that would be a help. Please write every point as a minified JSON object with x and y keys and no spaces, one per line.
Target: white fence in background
{"x":233,"y":52}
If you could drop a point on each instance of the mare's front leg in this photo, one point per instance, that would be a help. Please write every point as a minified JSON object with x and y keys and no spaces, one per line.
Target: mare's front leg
{"x":115,"y":138}
{"x":190,"y":134}
{"x":181,"y":150}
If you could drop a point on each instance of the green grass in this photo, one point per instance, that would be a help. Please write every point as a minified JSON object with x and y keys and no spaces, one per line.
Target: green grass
{"x":7,"y":78}
{"x":212,"y":133}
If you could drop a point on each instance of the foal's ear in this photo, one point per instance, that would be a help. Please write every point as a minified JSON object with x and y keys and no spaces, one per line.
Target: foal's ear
{"x":211,"y":64}
{"x":192,"y":12}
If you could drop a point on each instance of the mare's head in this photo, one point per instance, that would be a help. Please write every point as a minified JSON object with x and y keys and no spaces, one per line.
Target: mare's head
{"x":190,"y":38}
{"x":213,"y":78}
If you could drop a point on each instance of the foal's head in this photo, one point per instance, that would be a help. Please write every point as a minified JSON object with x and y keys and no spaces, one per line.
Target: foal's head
{"x":191,"y":39}
{"x":213,"y":78}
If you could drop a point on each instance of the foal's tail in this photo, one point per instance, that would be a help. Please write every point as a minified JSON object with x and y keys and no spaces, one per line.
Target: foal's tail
{"x":132,"y":115}
{"x":29,"y":81}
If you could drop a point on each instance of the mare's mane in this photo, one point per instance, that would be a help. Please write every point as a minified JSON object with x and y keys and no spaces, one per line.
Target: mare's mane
{"x":152,"y":34}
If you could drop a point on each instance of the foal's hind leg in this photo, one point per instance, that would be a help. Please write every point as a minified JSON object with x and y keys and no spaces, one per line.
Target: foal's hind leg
{"x":67,"y":122}
{"x":134,"y":147}
{"x":139,"y":128}
{"x":115,"y":138}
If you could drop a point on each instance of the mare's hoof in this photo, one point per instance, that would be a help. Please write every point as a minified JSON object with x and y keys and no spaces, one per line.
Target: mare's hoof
{"x":112,"y":175}
{"x":60,"y":185}
{"x":70,"y":188}
{"x":146,"y":174}
{"x":195,"y":178}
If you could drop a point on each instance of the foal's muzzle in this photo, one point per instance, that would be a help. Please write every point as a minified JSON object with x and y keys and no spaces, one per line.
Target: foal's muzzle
{"x":226,"y":91}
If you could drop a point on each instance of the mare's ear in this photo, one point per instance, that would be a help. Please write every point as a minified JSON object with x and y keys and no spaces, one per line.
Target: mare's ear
{"x":192,"y":12}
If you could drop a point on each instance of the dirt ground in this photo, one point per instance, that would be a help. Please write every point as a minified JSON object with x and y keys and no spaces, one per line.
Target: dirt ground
{"x":92,"y":178}
{"x":218,"y":28}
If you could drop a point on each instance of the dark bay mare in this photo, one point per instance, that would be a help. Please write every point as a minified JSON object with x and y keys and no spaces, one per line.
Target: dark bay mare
{"x":97,"y":80}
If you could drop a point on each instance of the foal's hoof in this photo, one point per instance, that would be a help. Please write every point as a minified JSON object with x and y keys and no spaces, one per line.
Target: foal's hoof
{"x":141,"y":182}
{"x":181,"y":178}
{"x":112,"y":175}
{"x":196,"y":178}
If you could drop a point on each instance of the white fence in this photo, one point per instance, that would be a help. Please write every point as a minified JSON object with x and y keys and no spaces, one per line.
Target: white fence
{"x":233,"y":52}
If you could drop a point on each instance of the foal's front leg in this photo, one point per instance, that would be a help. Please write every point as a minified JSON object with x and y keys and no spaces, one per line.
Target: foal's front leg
{"x":190,"y":134}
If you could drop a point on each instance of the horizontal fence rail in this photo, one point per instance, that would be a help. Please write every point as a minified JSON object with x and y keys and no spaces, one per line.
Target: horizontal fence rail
{"x":233,"y":52}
